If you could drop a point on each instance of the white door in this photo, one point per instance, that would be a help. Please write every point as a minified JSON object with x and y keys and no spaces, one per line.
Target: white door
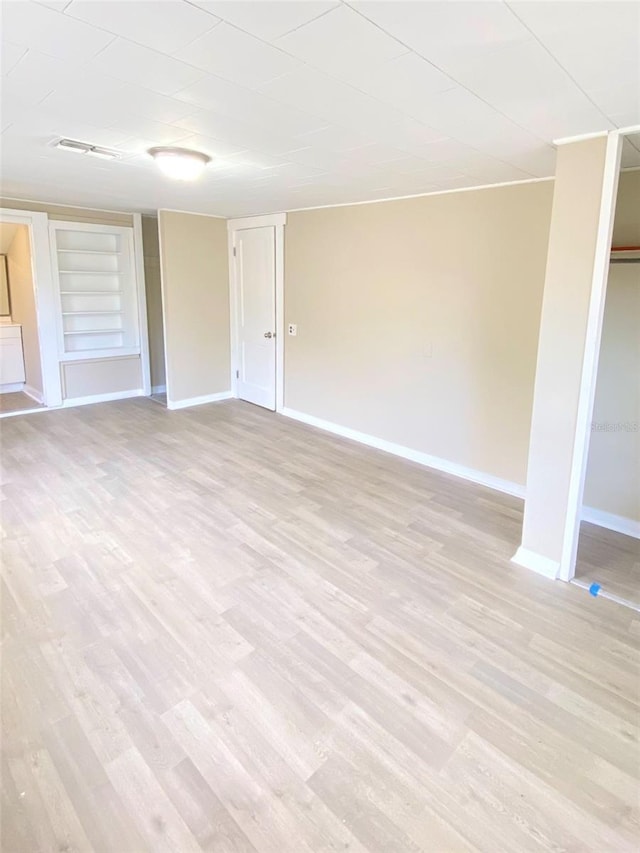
{"x":256,"y":315}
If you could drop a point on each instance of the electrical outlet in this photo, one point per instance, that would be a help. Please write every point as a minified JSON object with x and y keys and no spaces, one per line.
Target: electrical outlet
{"x":293,"y":329}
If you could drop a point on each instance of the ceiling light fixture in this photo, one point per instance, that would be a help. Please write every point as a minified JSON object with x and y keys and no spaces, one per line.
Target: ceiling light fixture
{"x":180,"y":163}
{"x":86,"y":148}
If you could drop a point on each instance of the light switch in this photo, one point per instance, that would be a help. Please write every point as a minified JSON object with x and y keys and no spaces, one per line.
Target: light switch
{"x":293,"y":329}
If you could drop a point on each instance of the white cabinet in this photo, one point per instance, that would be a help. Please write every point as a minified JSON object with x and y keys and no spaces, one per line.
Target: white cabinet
{"x":11,"y":356}
{"x":97,"y":286}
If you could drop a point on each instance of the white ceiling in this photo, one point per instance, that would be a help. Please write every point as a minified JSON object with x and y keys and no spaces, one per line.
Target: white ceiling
{"x":306,"y":102}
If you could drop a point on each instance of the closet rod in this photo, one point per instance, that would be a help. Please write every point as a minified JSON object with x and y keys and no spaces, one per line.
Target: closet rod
{"x":625,"y":260}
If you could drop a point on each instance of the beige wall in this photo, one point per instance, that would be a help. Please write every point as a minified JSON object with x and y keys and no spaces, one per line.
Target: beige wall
{"x":23,"y":305}
{"x":614,"y":453}
{"x":626,"y":228}
{"x":100,"y":376}
{"x":418,"y":321}
{"x":154,"y":299}
{"x":70,"y":214}
{"x":195,"y":293}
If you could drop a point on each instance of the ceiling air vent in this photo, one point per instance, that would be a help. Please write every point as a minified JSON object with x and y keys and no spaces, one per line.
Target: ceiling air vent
{"x":87,"y":148}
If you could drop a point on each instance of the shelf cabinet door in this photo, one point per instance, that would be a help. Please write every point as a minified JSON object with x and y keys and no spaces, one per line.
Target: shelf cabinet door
{"x":95,"y":272}
{"x":11,"y":360}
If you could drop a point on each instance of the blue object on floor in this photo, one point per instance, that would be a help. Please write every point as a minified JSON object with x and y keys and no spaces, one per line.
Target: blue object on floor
{"x":594,"y":589}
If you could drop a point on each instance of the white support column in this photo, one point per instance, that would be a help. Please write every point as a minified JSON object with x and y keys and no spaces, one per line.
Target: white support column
{"x":568,"y":348}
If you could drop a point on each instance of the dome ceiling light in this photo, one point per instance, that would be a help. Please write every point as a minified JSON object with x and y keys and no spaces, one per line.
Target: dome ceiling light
{"x":181,"y":164}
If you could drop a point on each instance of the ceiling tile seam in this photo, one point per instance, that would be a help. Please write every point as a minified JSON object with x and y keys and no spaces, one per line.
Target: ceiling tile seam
{"x":137,"y":43}
{"x":560,"y":65}
{"x":15,"y":68}
{"x":310,"y":21}
{"x":254,"y":92}
{"x":306,"y":64}
{"x":457,"y":82}
{"x":46,"y":6}
{"x":173,"y":56}
{"x":200,"y":9}
{"x":304,"y":113}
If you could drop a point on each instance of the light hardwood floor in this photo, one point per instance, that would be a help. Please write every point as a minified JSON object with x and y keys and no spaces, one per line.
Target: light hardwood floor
{"x":226,"y":631}
{"x":17,"y":401}
{"x":611,"y":560}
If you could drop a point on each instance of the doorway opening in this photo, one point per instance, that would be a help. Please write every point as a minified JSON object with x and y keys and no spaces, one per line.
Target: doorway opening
{"x":21,"y":372}
{"x":608,"y":558}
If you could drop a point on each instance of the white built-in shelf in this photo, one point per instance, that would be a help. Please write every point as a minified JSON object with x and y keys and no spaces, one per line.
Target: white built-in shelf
{"x":89,"y":272}
{"x":88,"y":313}
{"x":90,"y":292}
{"x":101,"y":353}
{"x":85,"y":252}
{"x":101,"y":256}
{"x":94,"y":331}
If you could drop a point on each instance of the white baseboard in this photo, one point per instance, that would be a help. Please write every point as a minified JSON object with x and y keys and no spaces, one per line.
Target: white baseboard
{"x":198,"y":401}
{"x":158,"y":389}
{"x":34,"y":393}
{"x":11,"y":387}
{"x":595,"y":516}
{"x":418,"y":456}
{"x":544,"y":566}
{"x":618,"y":523}
{"x":101,"y":398}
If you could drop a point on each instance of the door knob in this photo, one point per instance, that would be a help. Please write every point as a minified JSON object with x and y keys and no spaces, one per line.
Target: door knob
{"x":269,"y":335}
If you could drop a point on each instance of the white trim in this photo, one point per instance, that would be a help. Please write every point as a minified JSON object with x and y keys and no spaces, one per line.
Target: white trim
{"x":422,"y":195}
{"x":269,"y":219}
{"x":630,"y":130}
{"x":12,"y":388}
{"x":233,"y":314}
{"x":277,"y":222}
{"x":580,"y":137}
{"x":617,"y":523}
{"x":70,"y":206}
{"x":591,"y":355}
{"x":45,"y":297}
{"x":190,"y":212}
{"x":141,"y":293}
{"x":26,"y":412}
{"x":279,"y":263}
{"x":418,"y":456}
{"x":163,"y":305}
{"x":536,"y":563}
{"x":199,"y":401}
{"x":33,"y":393}
{"x":158,"y":389}
{"x":594,"y":516}
{"x":70,"y":402}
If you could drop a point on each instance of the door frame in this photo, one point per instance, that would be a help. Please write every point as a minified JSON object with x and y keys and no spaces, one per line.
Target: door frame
{"x":44,"y":291}
{"x":277,"y":221}
{"x":586,"y":399}
{"x":141,"y":294}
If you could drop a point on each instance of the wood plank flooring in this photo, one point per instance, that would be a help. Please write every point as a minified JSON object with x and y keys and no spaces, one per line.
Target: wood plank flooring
{"x":226,"y":631}
{"x":17,"y":401}
{"x":611,"y":560}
